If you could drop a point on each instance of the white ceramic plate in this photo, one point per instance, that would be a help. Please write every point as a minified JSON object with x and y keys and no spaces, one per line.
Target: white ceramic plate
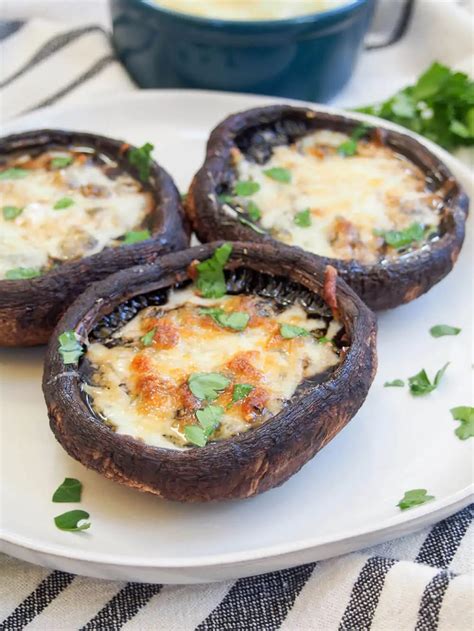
{"x":342,"y":500}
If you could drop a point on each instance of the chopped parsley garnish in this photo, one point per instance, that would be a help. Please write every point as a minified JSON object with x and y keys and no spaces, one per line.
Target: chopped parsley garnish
{"x":289,"y":331}
{"x":349,"y":147}
{"x":420,"y":383}
{"x":396,"y":383}
{"x":140,"y":158}
{"x":279,"y":174}
{"x":147,"y":339}
{"x":22,"y":273}
{"x":207,"y":385}
{"x":241,"y":391}
{"x":209,"y":419}
{"x":401,"y":238}
{"x":236,"y":320}
{"x":135,"y":236}
{"x":70,"y":347}
{"x":61,"y":162}
{"x":71,"y":521}
{"x":211,"y":280}
{"x":14,"y":173}
{"x":324,"y":340}
{"x":246,"y":188}
{"x":415,"y":497}
{"x":253,"y":211}
{"x":11,"y":212}
{"x":439,"y":106}
{"x":464,"y":414}
{"x":69,"y":491}
{"x":440,"y":330}
{"x":64,"y":202}
{"x":303,"y":218}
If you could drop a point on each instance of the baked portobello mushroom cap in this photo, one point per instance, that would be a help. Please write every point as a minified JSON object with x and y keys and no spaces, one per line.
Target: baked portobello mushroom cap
{"x":31,"y":307}
{"x":256,"y":133}
{"x":247,"y":463}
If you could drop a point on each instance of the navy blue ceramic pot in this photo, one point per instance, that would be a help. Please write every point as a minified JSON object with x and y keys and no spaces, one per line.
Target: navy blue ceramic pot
{"x":309,"y":57}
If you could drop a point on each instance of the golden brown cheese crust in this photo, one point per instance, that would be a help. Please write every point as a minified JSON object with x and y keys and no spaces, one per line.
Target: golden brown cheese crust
{"x":142,"y":387}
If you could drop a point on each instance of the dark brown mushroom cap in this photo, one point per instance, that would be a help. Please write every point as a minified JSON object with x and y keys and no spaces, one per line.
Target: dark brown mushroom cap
{"x":29,"y":309}
{"x":382,"y":285}
{"x":249,"y":463}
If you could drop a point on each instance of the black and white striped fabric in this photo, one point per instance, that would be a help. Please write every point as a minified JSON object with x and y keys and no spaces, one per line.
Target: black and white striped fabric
{"x":419,"y":583}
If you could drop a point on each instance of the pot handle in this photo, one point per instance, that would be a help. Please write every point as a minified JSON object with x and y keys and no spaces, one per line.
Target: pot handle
{"x":390,"y":22}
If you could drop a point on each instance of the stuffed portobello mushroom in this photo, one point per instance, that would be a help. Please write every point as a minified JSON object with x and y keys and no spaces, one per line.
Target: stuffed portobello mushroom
{"x":75,"y":207}
{"x":212,"y":373}
{"x":374,"y":203}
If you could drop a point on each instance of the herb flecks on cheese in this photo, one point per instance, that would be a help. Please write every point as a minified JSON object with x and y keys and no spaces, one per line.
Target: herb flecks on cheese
{"x":341,"y":204}
{"x":65,"y":204}
{"x":159,"y":390}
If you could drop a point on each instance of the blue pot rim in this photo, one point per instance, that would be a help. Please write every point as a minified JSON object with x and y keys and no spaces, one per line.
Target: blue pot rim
{"x":310,"y":18}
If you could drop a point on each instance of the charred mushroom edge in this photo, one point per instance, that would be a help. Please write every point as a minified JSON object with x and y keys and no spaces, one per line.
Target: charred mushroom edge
{"x":238,"y":467}
{"x":29,"y":309}
{"x":382,"y":285}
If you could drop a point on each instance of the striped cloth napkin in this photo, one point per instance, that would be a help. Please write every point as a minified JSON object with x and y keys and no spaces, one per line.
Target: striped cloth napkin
{"x":422,"y":582}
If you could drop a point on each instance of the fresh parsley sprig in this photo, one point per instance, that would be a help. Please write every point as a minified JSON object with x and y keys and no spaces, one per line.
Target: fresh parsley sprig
{"x":402,"y":238}
{"x":349,"y":147}
{"x":11,"y":212}
{"x":73,"y":520}
{"x":236,"y":320}
{"x":22,"y":273}
{"x":289,"y":331}
{"x":211,"y":280}
{"x":420,"y":383}
{"x":141,"y":159}
{"x":209,"y":420}
{"x":440,"y":106}
{"x":440,"y":330}
{"x":415,"y":497}
{"x":136,"y":236}
{"x":69,"y":491}
{"x":207,"y":386}
{"x":464,"y":414}
{"x":279,"y":174}
{"x":70,"y":347}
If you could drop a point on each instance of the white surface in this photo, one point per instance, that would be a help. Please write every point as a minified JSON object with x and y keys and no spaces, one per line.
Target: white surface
{"x":342,"y":500}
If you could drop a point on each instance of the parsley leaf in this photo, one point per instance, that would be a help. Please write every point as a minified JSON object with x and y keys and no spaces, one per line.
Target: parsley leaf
{"x":415,"y":497}
{"x":11,"y":212}
{"x":465,"y":414}
{"x":140,"y":158}
{"x":241,"y":391}
{"x":420,"y":383}
{"x":349,"y":147}
{"x":64,"y":202}
{"x":69,"y":491}
{"x":13,"y":174}
{"x":207,"y":385}
{"x":279,"y":174}
{"x":211,"y":280}
{"x":439,"y":330}
{"x":70,"y":347}
{"x":195,"y":435}
{"x":22,"y":273}
{"x":401,"y":238}
{"x":236,"y":320}
{"x":71,"y":521}
{"x":396,"y":383}
{"x":303,"y":218}
{"x":253,"y":211}
{"x":61,"y":162}
{"x":289,"y":331}
{"x":439,"y":106}
{"x":147,"y":339}
{"x":209,"y":418}
{"x":135,"y":236}
{"x":247,"y":188}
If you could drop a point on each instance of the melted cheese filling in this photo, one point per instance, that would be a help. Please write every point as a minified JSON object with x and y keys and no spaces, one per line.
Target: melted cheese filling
{"x":144,"y":392}
{"x":250,"y":9}
{"x":349,"y":199}
{"x":99,"y":210}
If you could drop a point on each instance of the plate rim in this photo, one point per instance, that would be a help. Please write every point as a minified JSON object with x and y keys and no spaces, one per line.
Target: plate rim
{"x":422,"y":515}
